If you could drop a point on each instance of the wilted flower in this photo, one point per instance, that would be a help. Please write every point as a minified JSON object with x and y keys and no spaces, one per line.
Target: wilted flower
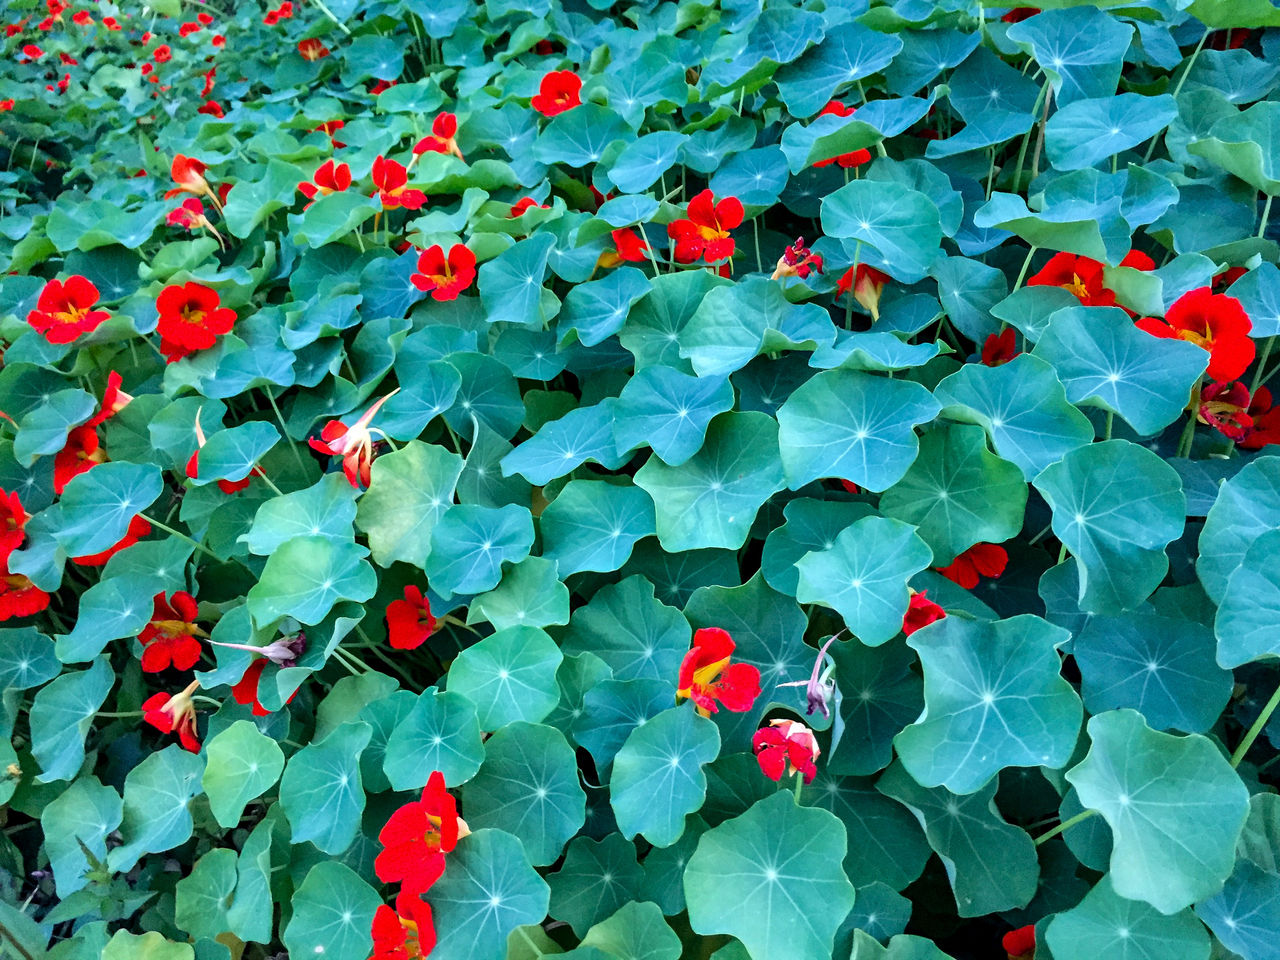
{"x":797,"y":260}
{"x":786,"y":747}
{"x":1224,"y":406}
{"x":353,"y":444}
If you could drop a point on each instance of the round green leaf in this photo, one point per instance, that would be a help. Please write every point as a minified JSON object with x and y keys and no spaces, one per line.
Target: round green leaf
{"x":530,"y":594}
{"x":409,"y":491}
{"x":98,"y":505}
{"x":240,"y":764}
{"x":582,"y":434}
{"x":26,"y":658}
{"x":111,"y":609}
{"x":1247,"y":506}
{"x":441,"y":733}
{"x":231,"y":453}
{"x":1245,"y":623}
{"x":332,"y":914}
{"x":880,"y":693}
{"x":469,"y":544}
{"x":597,"y":310}
{"x":1247,"y":144}
{"x":638,"y":931}
{"x":85,"y":813}
{"x":157,"y":801}
{"x":1108,"y":925}
{"x":593,"y":525}
{"x":1081,"y":49}
{"x":304,"y":577}
{"x":1246,"y":914}
{"x":668,"y":410}
{"x":61,"y":715}
{"x":612,"y":709}
{"x":810,"y":525}
{"x":902,"y":224}
{"x":595,"y":880}
{"x":1085,"y":132}
{"x":509,"y":676}
{"x":632,"y":631}
{"x":325,"y":509}
{"x":321,"y":790}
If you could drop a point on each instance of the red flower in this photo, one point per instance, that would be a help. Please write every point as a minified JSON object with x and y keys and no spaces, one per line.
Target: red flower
{"x":6,"y":105}
{"x":329,"y":128}
{"x":217,"y":40}
{"x":19,"y":597}
{"x":558,"y":92}
{"x":205,"y":18}
{"x":138,"y":528}
{"x":441,"y":140}
{"x":416,"y":838}
{"x":146,"y":68}
{"x":311,"y":48}
{"x":189,"y":28}
{"x":850,"y":486}
{"x":705,"y":233}
{"x":83,"y":451}
{"x":630,"y":244}
{"x":82,"y":18}
{"x":1266,"y":421}
{"x":330,"y":178}
{"x":706,"y":675}
{"x":245,"y":692}
{"x":855,"y":158}
{"x":445,"y":278}
{"x":1224,"y":407}
{"x":920,"y":613}
{"x":1226,"y":278}
{"x":980,"y":560}
{"x":1213,"y":321}
{"x":786,"y":747}
{"x":162,"y":54}
{"x":32,"y":52}
{"x":1020,"y":944}
{"x":64,"y":310}
{"x":391,"y":180}
{"x":1000,"y":347}
{"x":12,"y":521}
{"x":524,"y":203}
{"x":404,"y":933}
{"x":191,"y":319}
{"x":174,"y":714}
{"x":1079,"y":275}
{"x":353,"y":444}
{"x":381,"y":85}
{"x":68,"y":61}
{"x":409,"y":621}
{"x":271,"y":18}
{"x":171,"y":638}
{"x":1018,"y":14}
{"x":211,"y":108}
{"x":867,"y":284}
{"x":797,"y":260}
{"x":111,"y":23}
{"x":188,"y":174}
{"x":1138,"y":261}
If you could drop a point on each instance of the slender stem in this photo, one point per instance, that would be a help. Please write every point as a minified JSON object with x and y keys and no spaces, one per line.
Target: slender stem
{"x":991,"y":172}
{"x":329,"y":13}
{"x":1062,"y":551}
{"x":267,"y":480}
{"x":26,"y":954}
{"x":1190,"y":62}
{"x":1064,"y":826}
{"x":346,"y":660}
{"x":1047,"y":528}
{"x":1262,"y":362}
{"x":1110,"y":418}
{"x":181,"y":536}
{"x":118,"y":716}
{"x":755,"y":235}
{"x":1266,"y":214}
{"x":1044,"y":119}
{"x":1026,"y":265}
{"x":284,"y":429}
{"x":799,"y":785}
{"x":1188,"y":437}
{"x":1256,"y":729}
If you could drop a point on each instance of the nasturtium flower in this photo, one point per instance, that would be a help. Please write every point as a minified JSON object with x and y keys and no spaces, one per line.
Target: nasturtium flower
{"x":409,"y":621}
{"x":867,"y":283}
{"x":82,"y":451}
{"x":1138,"y":261}
{"x":191,"y":318}
{"x":19,"y":597}
{"x":171,"y":637}
{"x":190,"y":215}
{"x":1000,"y":348}
{"x":797,"y":260}
{"x":6,"y":104}
{"x":445,"y":278}
{"x":174,"y":714}
{"x":64,"y":310}
{"x":391,"y":180}
{"x":1225,"y":407}
{"x":138,"y":528}
{"x":312,"y":49}
{"x":786,"y":747}
{"x":1077,"y":275}
{"x":381,"y":85}
{"x":524,"y":203}
{"x":920,"y":613}
{"x":245,"y":690}
{"x":13,"y":522}
{"x":980,"y":560}
{"x":705,"y":232}
{"x":1018,"y":14}
{"x":211,"y":108}
{"x":82,"y":18}
{"x":329,"y":128}
{"x":330,"y":178}
{"x":1266,"y":421}
{"x":707,"y":676}
{"x":854,"y":158}
{"x":162,"y":53}
{"x":405,"y":933}
{"x":441,"y":139}
{"x":353,"y":444}
{"x":188,"y":173}
{"x":111,"y":23}
{"x":1020,"y":944}
{"x":417,"y":837}
{"x":558,"y":92}
{"x":1213,"y":321}
{"x":113,"y":400}
{"x":630,"y":244}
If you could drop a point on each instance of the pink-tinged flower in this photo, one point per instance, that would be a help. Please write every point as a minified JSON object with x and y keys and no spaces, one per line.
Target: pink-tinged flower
{"x":409,"y":621}
{"x":405,"y":933}
{"x":391,"y":180}
{"x":190,"y":215}
{"x":138,"y":528}
{"x":855,"y":158}
{"x":445,"y":278}
{"x":524,"y":203}
{"x":1000,"y":348}
{"x":171,"y":638}
{"x":417,"y":837}
{"x":1020,"y":944}
{"x":1213,"y":321}
{"x":705,"y":232}
{"x":558,"y":92}
{"x":786,"y":747}
{"x":82,"y":452}
{"x":443,"y":130}
{"x":980,"y":560}
{"x":1224,"y":406}
{"x":312,"y":49}
{"x":191,"y":318}
{"x":19,"y":597}
{"x":64,"y":310}
{"x":353,"y":444}
{"x":867,"y":284}
{"x":1266,"y":421}
{"x":174,"y":714}
{"x":13,"y":522}
{"x":797,"y":260}
{"x":330,"y":178}
{"x":920,"y":613}
{"x":1078,"y":275}
{"x":707,"y":676}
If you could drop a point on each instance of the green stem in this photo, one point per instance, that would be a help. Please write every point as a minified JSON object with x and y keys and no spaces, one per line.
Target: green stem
{"x":1188,"y":437}
{"x":118,"y":716}
{"x":1110,"y":418}
{"x":1262,"y":362}
{"x":1062,"y":551}
{"x":181,"y":536}
{"x":284,"y":429}
{"x":346,"y":660}
{"x":1026,"y":265}
{"x":755,"y":235}
{"x":799,"y":785}
{"x":1256,"y":729}
{"x":1190,"y":62}
{"x":1266,"y":214}
{"x":1064,"y":826}
{"x":329,"y":13}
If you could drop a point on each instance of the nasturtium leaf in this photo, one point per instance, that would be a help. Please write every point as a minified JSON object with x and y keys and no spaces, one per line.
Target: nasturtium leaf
{"x":637,"y":931}
{"x":98,"y":505}
{"x":1087,"y":131}
{"x":85,"y":813}
{"x":645,"y":159}
{"x":593,"y":525}
{"x":1106,"y":924}
{"x":253,"y":201}
{"x":530,"y":594}
{"x":511,"y":284}
{"x":469,"y":544}
{"x":321,"y":790}
{"x":1245,"y":623}
{"x":231,"y":453}
{"x":1259,"y":293}
{"x":756,"y":176}
{"x":711,"y":499}
{"x":864,"y":575}
{"x":772,"y":878}
{"x":1115,"y":507}
{"x":598,"y":309}
{"x":61,"y":714}
{"x":304,"y":577}
{"x":595,"y":880}
{"x":852,"y":425}
{"x":576,"y":676}
{"x":241,"y":763}
{"x":1081,"y":49}
{"x":410,"y":490}
{"x":612,"y":709}
{"x":847,"y":53}
{"x":146,"y":946}
{"x":43,"y":429}
{"x":810,"y":525}
{"x":1247,"y":144}
{"x":157,"y":800}
{"x":901,"y":947}
{"x":880,"y":912}
{"x":994,"y":697}
{"x":1248,"y":505}
{"x":509,"y":676}
{"x":528,"y":783}
{"x":1246,"y":914}
{"x":488,"y":394}
{"x":1056,"y":228}
{"x":26,"y":659}
{"x":582,"y":434}
{"x":1174,"y":804}
{"x":880,"y":695}
{"x":654,"y":325}
{"x":111,"y":609}
{"x":900,"y":223}
{"x":657,"y":777}
{"x":668,"y":410}
{"x":201,"y":897}
{"x":579,"y":136}
{"x":441,"y":733}
{"x":1161,"y":667}
{"x":636,"y":634}
{"x":969,"y":834}
{"x":332,"y":913}
{"x":958,"y":493}
{"x":325,"y":509}
{"x":1103,"y":360}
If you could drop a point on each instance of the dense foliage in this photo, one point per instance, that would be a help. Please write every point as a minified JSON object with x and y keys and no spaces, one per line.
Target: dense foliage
{"x":630,"y":480}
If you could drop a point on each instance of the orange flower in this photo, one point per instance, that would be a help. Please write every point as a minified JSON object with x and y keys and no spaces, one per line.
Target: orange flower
{"x":443,"y":130}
